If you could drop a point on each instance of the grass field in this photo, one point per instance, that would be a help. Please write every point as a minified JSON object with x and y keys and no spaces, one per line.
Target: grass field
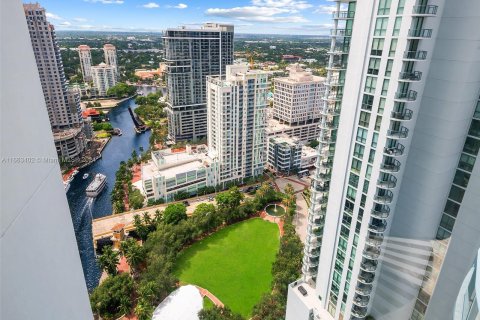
{"x":234,"y":264}
{"x":207,"y":303}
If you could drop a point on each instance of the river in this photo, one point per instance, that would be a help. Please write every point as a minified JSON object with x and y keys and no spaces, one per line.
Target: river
{"x":83,"y":209}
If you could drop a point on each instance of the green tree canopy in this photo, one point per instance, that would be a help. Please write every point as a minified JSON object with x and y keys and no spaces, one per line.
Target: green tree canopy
{"x":113,"y":298}
{"x":174,"y":213}
{"x":218,"y":314}
{"x":230,"y":199}
{"x":108,"y":261}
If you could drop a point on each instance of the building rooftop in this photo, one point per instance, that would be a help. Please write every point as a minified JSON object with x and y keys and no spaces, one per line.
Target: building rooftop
{"x":299,"y":75}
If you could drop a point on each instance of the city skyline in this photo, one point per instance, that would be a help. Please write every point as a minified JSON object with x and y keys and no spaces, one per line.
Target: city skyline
{"x":296,"y":17}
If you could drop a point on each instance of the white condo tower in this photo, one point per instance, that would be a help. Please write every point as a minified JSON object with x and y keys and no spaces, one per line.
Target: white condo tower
{"x":394,"y":225}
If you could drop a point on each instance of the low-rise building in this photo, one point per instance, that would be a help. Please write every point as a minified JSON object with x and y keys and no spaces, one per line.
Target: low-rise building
{"x":170,"y":172}
{"x":103,"y":78}
{"x":308,"y":158}
{"x":145,"y":74}
{"x":305,"y":132}
{"x":284,"y":154}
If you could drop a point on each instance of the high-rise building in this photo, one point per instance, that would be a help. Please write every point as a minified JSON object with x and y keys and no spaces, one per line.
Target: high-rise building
{"x":191,"y":56}
{"x":110,"y":54}
{"x":393,"y":223}
{"x":236,"y":113}
{"x":62,"y":106}
{"x":104,"y":78}
{"x":298,"y":97}
{"x":85,"y":62}
{"x":40,"y":262}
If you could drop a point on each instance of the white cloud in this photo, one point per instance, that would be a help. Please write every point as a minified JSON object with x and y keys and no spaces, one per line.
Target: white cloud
{"x":79,"y":19}
{"x":325,"y":9}
{"x":53,"y":16}
{"x":282,"y":11}
{"x":181,"y":6}
{"x":106,"y":1}
{"x":150,"y":5}
{"x":65,"y":24}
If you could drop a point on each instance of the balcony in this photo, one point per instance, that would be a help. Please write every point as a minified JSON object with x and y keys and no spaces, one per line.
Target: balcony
{"x":380,"y":212}
{"x":420,"y":33}
{"x":368,"y":265}
{"x":385,"y":197}
{"x":343,"y":15}
{"x":406,"y":96}
{"x":309,"y":271}
{"x":335,"y":82}
{"x":361,"y":301}
{"x":387,"y":182}
{"x":392,"y":165}
{"x":400,"y":133}
{"x":341,"y":32}
{"x":374,"y":240}
{"x":324,"y":138}
{"x":363,"y":289}
{"x":337,"y":66}
{"x":410,"y":76}
{"x":312,"y":253}
{"x":366,"y":277}
{"x":371,"y":254}
{"x":402,"y":115}
{"x":359,"y":312}
{"x":338,"y":51}
{"x":330,"y":125}
{"x":394,"y":150}
{"x":428,"y":10}
{"x":377,"y":227}
{"x":310,"y":262}
{"x":330,"y":111}
{"x":415,"y":55}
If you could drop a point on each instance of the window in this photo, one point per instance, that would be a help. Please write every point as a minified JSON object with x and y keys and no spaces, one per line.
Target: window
{"x":466,"y":162}
{"x":381,"y":105}
{"x":378,"y":123}
{"x":401,"y":6}
{"x":371,"y":156}
{"x":393,"y":48}
{"x":374,"y":140}
{"x":456,"y":194}
{"x":362,"y":135}
{"x":368,"y":172}
{"x":477,"y":111}
{"x":364,"y":119}
{"x":471,"y":146}
{"x":381,"y":27}
{"x":451,"y":208}
{"x":373,"y":66}
{"x":396,"y":26}
{"x":447,"y":222}
{"x":461,"y":178}
{"x":384,"y":7}
{"x":353,"y":180}
{"x":356,"y":165}
{"x":370,"y":84}
{"x":475,"y":128}
{"x":358,"y":150}
{"x":442,"y":234}
{"x":367,"y":102}
{"x":386,"y":82}
{"x":377,"y":47}
{"x":366,"y":184}
{"x":388,"y":68}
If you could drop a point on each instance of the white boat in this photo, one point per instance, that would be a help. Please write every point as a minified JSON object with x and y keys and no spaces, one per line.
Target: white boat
{"x":96,"y":186}
{"x":66,"y":185}
{"x":85,"y":176}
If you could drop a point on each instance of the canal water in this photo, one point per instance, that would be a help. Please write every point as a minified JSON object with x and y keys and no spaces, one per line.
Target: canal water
{"x":83,"y":209}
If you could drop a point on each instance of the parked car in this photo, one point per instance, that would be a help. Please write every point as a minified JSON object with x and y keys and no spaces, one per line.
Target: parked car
{"x":302,"y":290}
{"x":186,"y":203}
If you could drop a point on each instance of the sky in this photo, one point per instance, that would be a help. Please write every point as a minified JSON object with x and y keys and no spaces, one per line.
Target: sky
{"x":309,"y":17}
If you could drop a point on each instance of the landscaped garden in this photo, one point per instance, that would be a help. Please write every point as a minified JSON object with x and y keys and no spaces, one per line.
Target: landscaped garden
{"x":241,"y":261}
{"x":234,"y":263}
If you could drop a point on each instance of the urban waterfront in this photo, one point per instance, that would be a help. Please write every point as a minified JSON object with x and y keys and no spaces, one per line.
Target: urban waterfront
{"x":83,"y":209}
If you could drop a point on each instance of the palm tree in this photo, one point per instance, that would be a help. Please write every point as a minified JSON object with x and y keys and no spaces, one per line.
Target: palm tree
{"x":108,"y":261}
{"x":134,"y":254}
{"x":143,"y":310}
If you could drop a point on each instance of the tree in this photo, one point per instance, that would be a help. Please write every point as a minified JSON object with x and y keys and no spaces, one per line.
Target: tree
{"x":108,"y":261}
{"x":230,"y":199}
{"x":134,"y":253}
{"x":314,"y":144}
{"x":174,"y":213}
{"x":143,"y":310}
{"x":206,"y":218}
{"x":121,"y":90}
{"x":112,"y":298}
{"x":140,"y":227}
{"x":218,"y":314}
{"x":270,"y":307}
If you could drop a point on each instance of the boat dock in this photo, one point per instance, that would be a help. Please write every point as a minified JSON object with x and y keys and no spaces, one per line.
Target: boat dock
{"x":139,"y":125}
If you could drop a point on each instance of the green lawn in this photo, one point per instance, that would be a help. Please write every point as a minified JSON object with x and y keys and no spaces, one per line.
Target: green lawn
{"x":234,"y":264}
{"x":207,"y":303}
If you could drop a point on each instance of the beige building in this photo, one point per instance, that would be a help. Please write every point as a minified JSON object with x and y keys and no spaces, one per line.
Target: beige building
{"x":63,"y":105}
{"x":85,"y":62}
{"x":110,"y":53}
{"x":298,"y":97}
{"x":103,"y":78}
